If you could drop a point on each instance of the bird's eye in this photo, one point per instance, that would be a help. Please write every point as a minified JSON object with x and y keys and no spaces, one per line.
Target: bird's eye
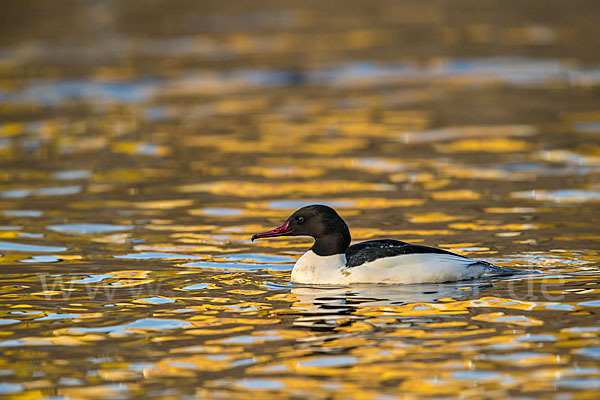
{"x":300,"y":219}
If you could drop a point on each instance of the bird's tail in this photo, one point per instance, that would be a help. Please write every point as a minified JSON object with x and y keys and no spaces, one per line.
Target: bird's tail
{"x":492,"y":270}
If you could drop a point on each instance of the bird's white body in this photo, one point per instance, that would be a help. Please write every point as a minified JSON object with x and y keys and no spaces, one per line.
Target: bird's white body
{"x":407,"y":268}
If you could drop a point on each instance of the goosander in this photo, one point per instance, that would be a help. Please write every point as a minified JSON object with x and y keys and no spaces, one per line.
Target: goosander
{"x":331,"y":260}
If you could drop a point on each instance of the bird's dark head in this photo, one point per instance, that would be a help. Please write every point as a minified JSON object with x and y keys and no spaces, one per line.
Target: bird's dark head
{"x":321,"y":222}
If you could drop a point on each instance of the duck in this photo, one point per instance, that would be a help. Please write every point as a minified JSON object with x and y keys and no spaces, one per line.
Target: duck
{"x":332,"y":260}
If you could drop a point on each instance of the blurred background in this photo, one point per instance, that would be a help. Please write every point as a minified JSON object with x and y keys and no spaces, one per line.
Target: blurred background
{"x":472,"y":100}
{"x":142,"y":143}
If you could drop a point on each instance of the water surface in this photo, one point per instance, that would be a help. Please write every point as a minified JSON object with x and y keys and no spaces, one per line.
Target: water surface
{"x":141,"y":147}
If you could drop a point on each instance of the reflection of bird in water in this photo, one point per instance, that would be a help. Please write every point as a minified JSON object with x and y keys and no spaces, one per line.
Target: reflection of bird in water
{"x":382,"y":295}
{"x":331,"y":260}
{"x":325,"y":307}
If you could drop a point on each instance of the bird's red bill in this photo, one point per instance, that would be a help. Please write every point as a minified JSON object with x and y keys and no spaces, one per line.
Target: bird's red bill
{"x":279,"y":231}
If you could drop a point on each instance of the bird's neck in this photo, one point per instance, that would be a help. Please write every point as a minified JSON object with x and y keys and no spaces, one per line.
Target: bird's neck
{"x":334,"y":243}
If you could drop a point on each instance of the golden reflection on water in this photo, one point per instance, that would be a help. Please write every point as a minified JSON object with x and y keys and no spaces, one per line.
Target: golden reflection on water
{"x":140,"y":149}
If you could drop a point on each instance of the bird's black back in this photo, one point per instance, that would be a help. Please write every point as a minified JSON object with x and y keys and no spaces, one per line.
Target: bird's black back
{"x":371,"y":250}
